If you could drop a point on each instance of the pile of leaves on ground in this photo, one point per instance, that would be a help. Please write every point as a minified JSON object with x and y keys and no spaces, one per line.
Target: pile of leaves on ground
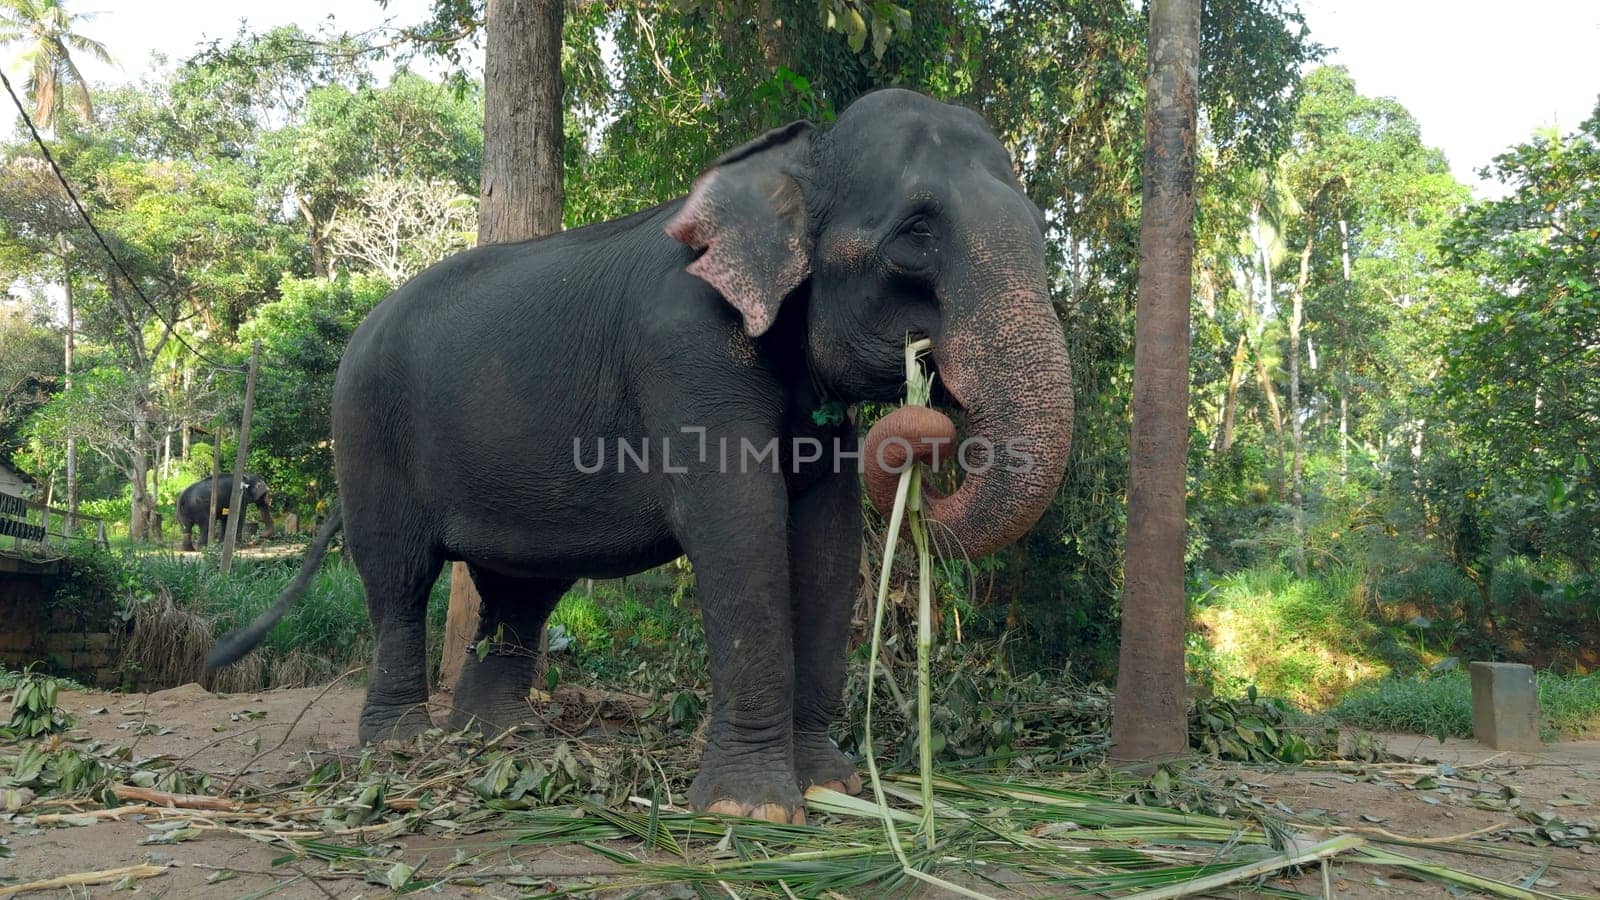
{"x":999,"y":827}
{"x":984,"y":713}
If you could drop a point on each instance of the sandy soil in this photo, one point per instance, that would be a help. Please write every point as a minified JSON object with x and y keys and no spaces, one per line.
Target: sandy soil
{"x":1563,"y":780}
{"x":219,"y":734}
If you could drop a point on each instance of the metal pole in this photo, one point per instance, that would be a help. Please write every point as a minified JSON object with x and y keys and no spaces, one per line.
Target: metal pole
{"x":235,"y":513}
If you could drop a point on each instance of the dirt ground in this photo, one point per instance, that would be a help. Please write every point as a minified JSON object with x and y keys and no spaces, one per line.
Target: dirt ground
{"x":223,"y":734}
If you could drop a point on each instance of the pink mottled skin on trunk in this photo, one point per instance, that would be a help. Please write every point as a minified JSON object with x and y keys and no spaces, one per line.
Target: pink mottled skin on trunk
{"x":1003,"y":359}
{"x":926,"y":435}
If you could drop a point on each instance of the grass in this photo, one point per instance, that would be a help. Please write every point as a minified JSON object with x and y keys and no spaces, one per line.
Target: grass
{"x":1441,"y":705}
{"x":1305,"y":640}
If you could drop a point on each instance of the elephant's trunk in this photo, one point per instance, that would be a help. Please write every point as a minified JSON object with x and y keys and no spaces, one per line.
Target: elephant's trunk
{"x":266,"y":517}
{"x":1002,"y":356}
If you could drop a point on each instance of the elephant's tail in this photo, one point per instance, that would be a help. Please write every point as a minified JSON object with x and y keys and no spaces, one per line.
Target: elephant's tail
{"x":235,"y":645}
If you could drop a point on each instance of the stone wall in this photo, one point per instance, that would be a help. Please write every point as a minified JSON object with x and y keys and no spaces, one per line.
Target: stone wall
{"x":82,"y":642}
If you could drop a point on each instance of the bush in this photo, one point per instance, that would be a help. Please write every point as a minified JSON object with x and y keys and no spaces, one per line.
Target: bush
{"x":1440,"y":706}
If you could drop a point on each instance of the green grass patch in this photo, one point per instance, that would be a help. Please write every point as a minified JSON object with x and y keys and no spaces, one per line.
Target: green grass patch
{"x":1305,"y":640}
{"x":640,"y":631}
{"x":1441,"y":705}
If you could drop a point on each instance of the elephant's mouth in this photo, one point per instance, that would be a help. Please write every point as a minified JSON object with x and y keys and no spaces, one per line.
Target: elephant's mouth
{"x":996,"y":434}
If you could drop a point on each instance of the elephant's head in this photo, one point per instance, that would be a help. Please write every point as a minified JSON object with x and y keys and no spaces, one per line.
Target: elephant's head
{"x":904,"y":219}
{"x":255,"y":491}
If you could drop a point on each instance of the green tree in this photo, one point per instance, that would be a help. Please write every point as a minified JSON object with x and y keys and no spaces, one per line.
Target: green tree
{"x":30,"y":370}
{"x":414,"y":128}
{"x":303,"y":335}
{"x":1522,"y":371}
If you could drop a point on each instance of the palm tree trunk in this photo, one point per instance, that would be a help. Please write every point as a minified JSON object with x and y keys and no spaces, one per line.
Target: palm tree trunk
{"x":1149,"y":720}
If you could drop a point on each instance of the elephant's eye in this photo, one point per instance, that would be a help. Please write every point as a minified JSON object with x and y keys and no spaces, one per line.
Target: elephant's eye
{"x":920,"y":229}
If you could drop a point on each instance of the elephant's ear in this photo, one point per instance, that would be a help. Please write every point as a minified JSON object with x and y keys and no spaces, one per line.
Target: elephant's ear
{"x":748,"y":215}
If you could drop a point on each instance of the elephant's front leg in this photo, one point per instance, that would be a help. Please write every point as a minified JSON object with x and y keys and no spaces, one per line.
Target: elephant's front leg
{"x":733,"y":527}
{"x":825,"y":559}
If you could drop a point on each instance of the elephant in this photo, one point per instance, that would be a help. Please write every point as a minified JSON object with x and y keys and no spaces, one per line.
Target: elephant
{"x":192,"y":506}
{"x":586,"y":405}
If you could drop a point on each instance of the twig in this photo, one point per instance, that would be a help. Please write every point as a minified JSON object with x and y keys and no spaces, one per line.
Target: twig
{"x":232,"y":735}
{"x":82,"y":879}
{"x":307,"y":708}
{"x":314,"y":883}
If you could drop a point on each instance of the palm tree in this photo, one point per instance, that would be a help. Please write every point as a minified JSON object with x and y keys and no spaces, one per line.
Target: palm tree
{"x":46,"y":32}
{"x":1150,"y":721}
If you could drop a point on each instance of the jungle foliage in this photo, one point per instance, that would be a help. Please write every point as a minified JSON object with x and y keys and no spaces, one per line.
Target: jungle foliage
{"x":1396,"y":387}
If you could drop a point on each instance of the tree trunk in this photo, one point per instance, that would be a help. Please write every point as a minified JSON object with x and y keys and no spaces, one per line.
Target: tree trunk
{"x":320,"y":263}
{"x":1230,"y":402}
{"x":1344,"y":381}
{"x":230,"y":536}
{"x":216,"y":473}
{"x":1297,"y":467}
{"x":184,"y":427}
{"x":1344,"y":432}
{"x":1149,"y":721}
{"x":522,"y":192}
{"x":72,"y":442}
{"x":139,"y":459}
{"x":522,"y":137}
{"x":1263,"y":377}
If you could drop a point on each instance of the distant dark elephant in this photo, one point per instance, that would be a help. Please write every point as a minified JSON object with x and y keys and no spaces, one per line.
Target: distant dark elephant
{"x":589,"y":404}
{"x":192,"y":507}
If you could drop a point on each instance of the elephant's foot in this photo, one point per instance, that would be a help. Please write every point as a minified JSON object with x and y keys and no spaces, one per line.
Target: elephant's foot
{"x":490,"y":718}
{"x":754,"y":786}
{"x":491,"y":695}
{"x":393,"y":723}
{"x":818,"y":762}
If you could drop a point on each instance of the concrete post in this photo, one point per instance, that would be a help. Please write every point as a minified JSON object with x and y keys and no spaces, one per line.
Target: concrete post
{"x":1505,"y":706}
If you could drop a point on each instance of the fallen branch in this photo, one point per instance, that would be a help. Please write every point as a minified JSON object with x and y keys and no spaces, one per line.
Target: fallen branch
{"x":113,"y":813}
{"x":172,"y":801}
{"x":83,"y":879}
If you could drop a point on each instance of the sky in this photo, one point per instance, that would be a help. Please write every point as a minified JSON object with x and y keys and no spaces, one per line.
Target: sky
{"x":1478,"y":77}
{"x":1477,"y":82}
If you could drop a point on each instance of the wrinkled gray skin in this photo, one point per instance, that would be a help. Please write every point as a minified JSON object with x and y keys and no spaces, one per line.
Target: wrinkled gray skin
{"x":790,"y":277}
{"x":191,"y":506}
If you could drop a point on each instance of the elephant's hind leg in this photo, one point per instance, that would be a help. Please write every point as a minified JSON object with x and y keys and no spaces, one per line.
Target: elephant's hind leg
{"x":492,"y":693}
{"x":397,"y":580}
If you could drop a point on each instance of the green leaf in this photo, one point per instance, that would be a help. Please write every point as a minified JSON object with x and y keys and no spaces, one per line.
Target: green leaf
{"x":398,"y":876}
